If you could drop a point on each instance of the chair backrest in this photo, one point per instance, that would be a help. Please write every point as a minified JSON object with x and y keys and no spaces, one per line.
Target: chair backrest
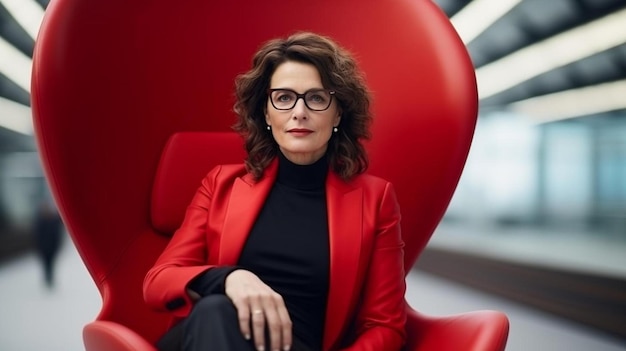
{"x":186,"y":159}
{"x":113,"y":80}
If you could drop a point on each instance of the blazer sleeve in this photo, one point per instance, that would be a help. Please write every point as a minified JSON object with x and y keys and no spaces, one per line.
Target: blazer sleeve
{"x":184,"y":258}
{"x":381,"y":316}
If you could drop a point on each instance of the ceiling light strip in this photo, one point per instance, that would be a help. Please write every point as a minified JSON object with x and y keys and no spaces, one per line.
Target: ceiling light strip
{"x":476,"y":16}
{"x":15,"y":65}
{"x":557,"y":51}
{"x":574,"y":103}
{"x":15,"y":117}
{"x":28,"y":13}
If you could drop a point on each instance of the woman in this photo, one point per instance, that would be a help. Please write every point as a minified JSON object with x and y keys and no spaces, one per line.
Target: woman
{"x":297,"y":249}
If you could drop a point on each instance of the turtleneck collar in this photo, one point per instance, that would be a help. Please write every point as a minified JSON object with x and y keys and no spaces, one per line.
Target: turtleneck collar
{"x":304,"y":177}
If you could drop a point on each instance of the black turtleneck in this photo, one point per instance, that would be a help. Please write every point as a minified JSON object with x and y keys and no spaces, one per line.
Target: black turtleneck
{"x":288,"y":248}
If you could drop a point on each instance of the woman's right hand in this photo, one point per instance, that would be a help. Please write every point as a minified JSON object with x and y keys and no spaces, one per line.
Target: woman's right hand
{"x":257,"y":306}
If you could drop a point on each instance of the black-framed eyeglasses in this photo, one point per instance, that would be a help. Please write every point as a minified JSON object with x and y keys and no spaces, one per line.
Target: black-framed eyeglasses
{"x":314,"y":99}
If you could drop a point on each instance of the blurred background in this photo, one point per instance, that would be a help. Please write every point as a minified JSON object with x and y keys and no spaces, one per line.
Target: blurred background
{"x":537,"y":226}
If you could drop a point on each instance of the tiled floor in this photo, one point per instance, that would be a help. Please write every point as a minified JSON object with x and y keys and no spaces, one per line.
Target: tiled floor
{"x":33,"y":318}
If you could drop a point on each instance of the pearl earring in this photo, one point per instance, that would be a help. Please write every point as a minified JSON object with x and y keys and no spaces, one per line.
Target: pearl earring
{"x":335,"y":129}
{"x":269,"y":128}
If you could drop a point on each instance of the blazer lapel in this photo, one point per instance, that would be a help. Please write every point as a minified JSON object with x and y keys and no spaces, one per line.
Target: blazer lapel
{"x":345,"y":229}
{"x":246,"y":200}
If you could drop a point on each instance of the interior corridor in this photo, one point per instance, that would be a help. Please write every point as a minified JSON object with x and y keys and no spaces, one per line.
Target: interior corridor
{"x":34,"y":318}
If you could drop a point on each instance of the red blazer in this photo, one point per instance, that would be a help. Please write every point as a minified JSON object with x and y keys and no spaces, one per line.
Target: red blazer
{"x":366,"y":306}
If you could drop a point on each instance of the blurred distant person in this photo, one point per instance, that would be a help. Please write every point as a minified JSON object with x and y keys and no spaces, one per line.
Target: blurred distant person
{"x":48,"y":231}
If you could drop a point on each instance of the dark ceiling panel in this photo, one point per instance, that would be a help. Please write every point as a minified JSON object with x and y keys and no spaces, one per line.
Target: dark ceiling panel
{"x":519,"y":28}
{"x":600,"y":68}
{"x":15,"y":142}
{"x":12,"y":91}
{"x":452,"y":7}
{"x":43,"y":3}
{"x":12,"y":32}
{"x":535,"y":20}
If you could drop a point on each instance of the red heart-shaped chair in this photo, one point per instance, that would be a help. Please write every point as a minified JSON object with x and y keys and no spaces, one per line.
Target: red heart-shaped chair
{"x":114,"y":80}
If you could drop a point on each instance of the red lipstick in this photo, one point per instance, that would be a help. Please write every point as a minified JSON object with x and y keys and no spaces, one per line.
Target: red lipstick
{"x":299,"y":131}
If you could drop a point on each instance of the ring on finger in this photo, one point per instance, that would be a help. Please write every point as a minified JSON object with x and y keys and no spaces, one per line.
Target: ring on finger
{"x":257,"y":312}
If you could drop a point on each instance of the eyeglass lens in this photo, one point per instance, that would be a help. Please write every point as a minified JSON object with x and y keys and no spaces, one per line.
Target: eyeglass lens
{"x":316,"y":100}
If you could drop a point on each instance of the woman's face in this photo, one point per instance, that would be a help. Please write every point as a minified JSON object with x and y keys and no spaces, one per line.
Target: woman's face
{"x":301,"y":133}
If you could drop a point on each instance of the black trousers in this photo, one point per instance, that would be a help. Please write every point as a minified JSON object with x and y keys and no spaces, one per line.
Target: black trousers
{"x":212,"y":325}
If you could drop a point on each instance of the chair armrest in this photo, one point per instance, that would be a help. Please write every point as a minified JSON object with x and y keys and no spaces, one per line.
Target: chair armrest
{"x":472,"y":331}
{"x":111,"y":336}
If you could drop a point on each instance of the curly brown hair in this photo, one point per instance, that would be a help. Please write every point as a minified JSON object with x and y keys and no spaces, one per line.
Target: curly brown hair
{"x":339,"y":72}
